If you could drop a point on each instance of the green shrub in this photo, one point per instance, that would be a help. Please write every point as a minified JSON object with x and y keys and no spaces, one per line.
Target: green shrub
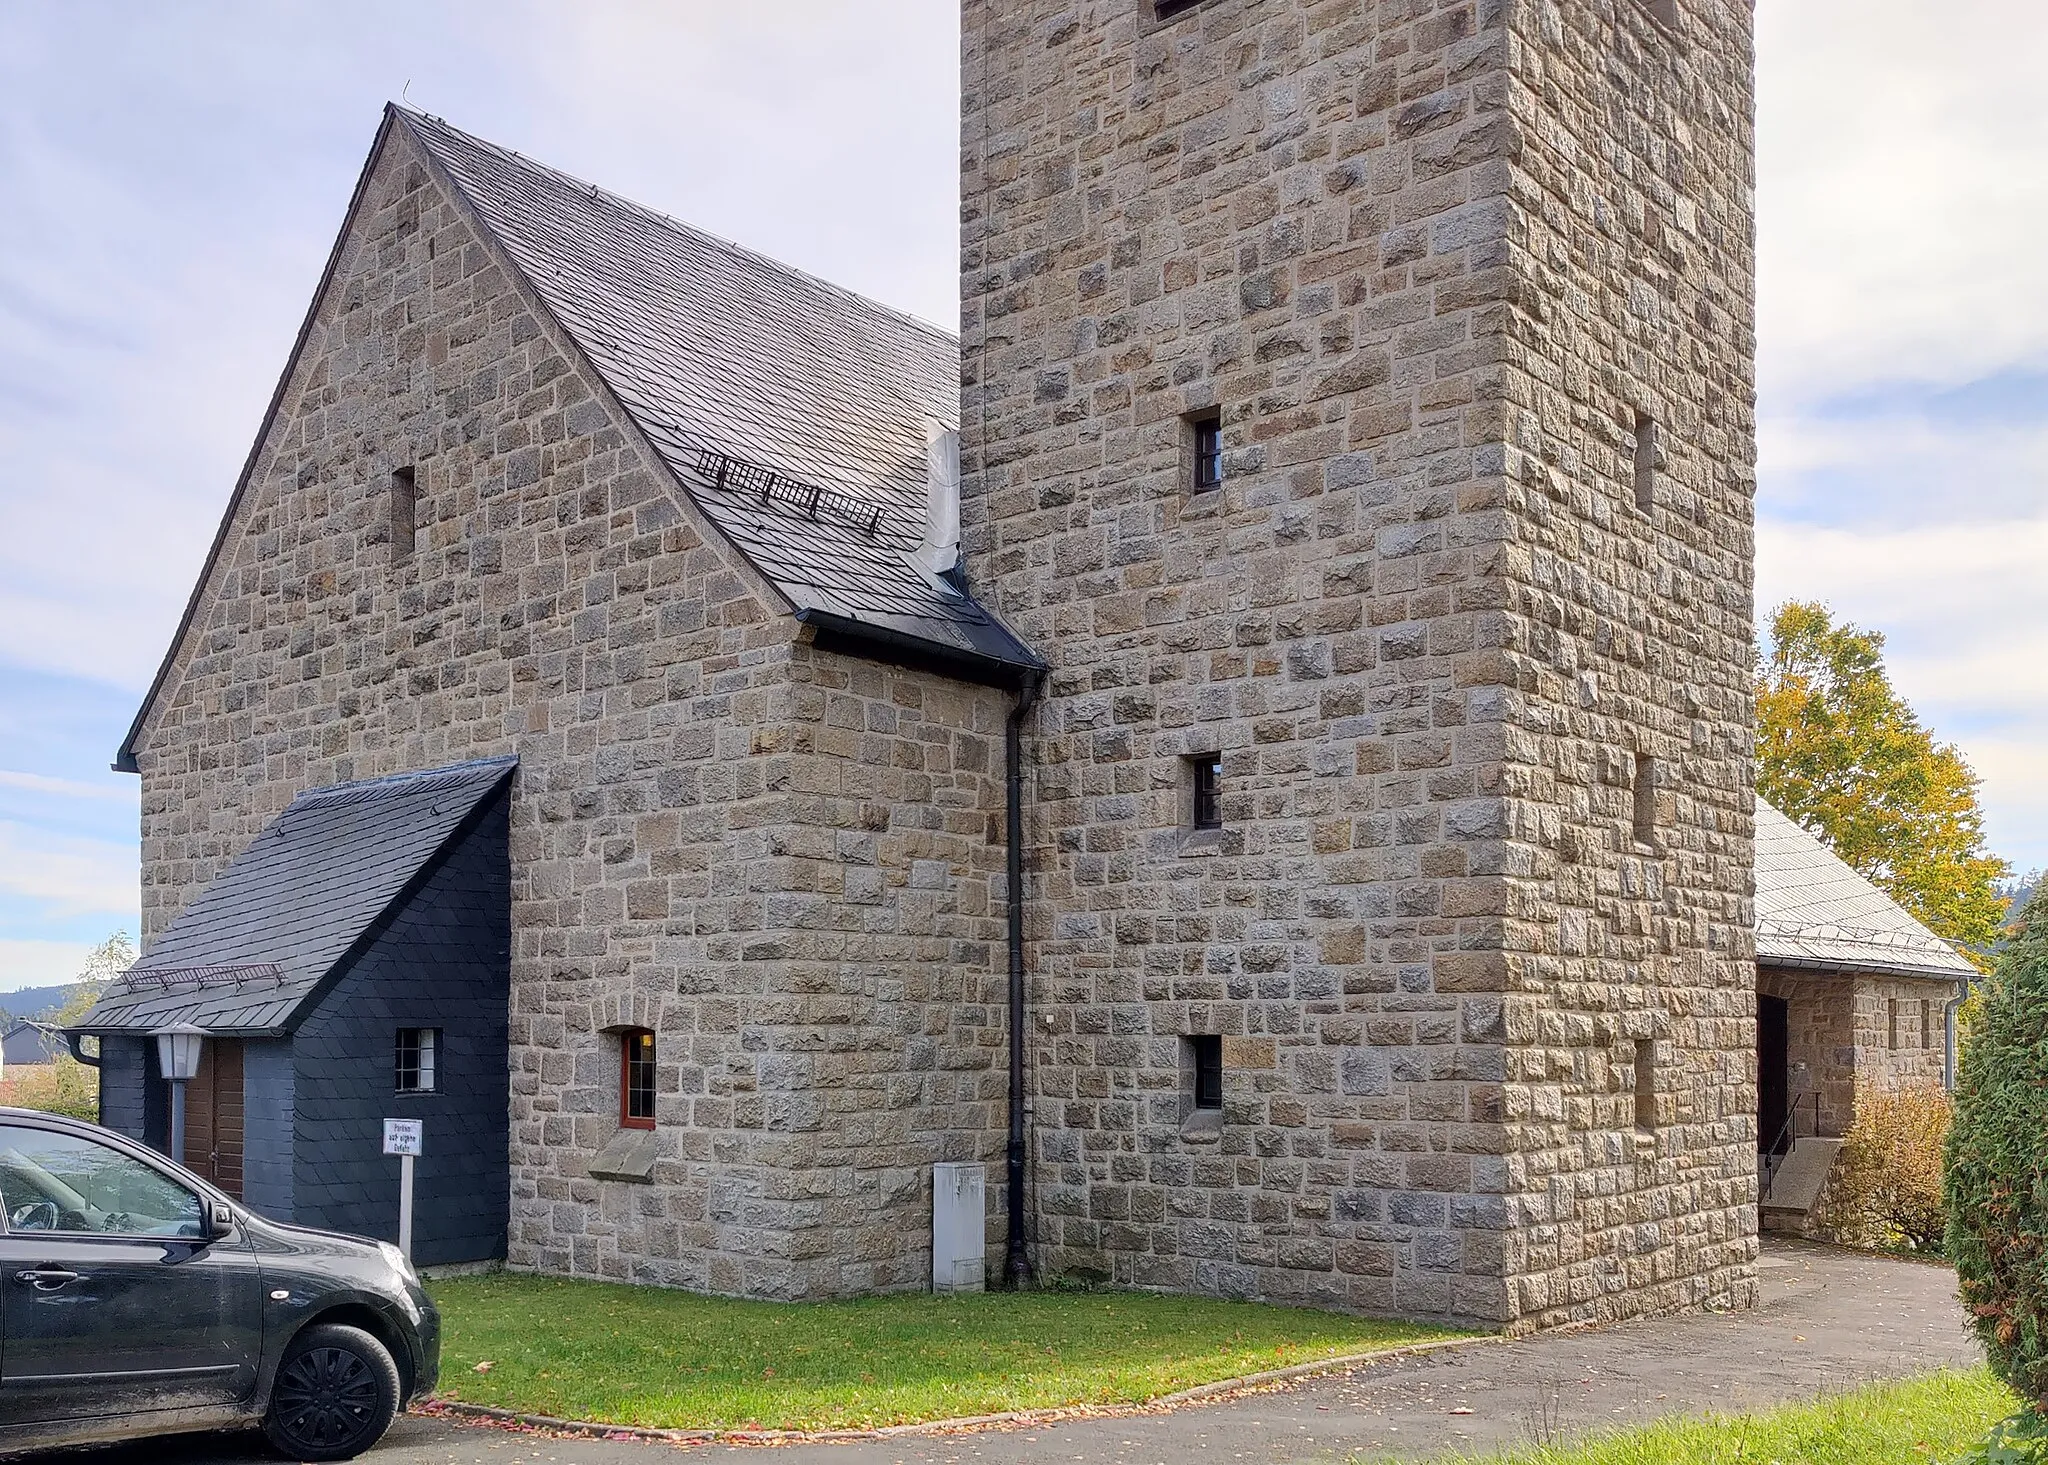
{"x":1997,"y":1180}
{"x":1888,"y":1179}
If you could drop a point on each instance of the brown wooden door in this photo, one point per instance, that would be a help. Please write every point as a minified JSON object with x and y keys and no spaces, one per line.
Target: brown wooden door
{"x":213,"y":1115}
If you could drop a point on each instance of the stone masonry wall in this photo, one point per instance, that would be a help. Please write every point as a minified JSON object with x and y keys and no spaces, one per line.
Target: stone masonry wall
{"x":1841,"y":1027}
{"x":1630,"y":299}
{"x":693,"y":778}
{"x":1421,"y":622}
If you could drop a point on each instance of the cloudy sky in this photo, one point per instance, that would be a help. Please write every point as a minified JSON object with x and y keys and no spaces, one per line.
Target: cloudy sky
{"x":171,"y":178}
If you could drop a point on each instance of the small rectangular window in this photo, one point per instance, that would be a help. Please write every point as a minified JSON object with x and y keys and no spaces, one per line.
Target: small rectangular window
{"x":1646,"y":461}
{"x":1926,"y":1024}
{"x":1646,"y":1085}
{"x":636,"y":1079}
{"x":404,"y":513}
{"x":1168,"y":9}
{"x":1646,"y":800}
{"x":1206,"y":1050}
{"x":1206,"y":433}
{"x":1892,"y":1023}
{"x":1207,"y":772}
{"x":418,"y":1060}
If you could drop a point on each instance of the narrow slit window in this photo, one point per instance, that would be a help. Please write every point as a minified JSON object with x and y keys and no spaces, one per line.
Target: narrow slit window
{"x":1892,"y":1024}
{"x":1926,"y":1024}
{"x":419,"y":1051}
{"x":1207,"y":772}
{"x":404,"y":513}
{"x":1646,"y":1085}
{"x":1207,"y":432}
{"x":1646,"y":800}
{"x":1168,"y":9}
{"x":636,"y":1079}
{"x":1206,"y":1050}
{"x":1646,"y":461}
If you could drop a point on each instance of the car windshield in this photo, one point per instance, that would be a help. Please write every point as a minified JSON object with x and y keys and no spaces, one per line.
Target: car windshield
{"x":61,"y":1182}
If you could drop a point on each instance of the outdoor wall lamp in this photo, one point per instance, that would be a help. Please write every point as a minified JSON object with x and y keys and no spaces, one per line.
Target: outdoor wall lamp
{"x":177,"y":1054}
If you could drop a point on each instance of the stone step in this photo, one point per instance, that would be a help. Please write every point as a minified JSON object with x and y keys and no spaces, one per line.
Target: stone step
{"x":1799,"y":1181}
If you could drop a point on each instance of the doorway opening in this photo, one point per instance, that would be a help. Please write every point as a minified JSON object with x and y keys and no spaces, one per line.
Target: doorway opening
{"x":1773,"y":1076}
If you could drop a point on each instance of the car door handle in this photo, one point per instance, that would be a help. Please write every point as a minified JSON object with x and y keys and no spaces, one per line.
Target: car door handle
{"x":47,"y":1279}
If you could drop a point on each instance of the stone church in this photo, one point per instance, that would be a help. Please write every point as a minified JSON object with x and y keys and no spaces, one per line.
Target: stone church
{"x":1322,"y":563}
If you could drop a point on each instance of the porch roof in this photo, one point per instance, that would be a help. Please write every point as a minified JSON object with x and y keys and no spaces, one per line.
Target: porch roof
{"x":257,"y":949}
{"x":1813,"y":911}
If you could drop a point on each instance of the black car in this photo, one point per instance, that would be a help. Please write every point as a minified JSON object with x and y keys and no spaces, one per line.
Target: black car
{"x":136,"y":1299}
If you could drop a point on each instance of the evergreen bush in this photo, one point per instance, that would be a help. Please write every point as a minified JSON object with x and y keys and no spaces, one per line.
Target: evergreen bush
{"x":1997,"y":1170}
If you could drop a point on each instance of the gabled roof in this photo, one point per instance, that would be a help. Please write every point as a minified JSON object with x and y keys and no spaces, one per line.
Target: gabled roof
{"x":27,"y":1044}
{"x":261,"y":943}
{"x":793,"y":413}
{"x":1814,"y":911}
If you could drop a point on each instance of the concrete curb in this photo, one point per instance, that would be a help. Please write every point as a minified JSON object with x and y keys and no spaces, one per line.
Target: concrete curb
{"x":1269,"y":1378}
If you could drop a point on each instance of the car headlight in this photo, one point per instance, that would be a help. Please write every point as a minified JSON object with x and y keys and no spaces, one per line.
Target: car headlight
{"x":398,"y":1262}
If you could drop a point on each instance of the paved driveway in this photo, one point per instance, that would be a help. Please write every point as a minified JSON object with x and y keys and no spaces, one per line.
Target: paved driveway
{"x":1828,"y":1321}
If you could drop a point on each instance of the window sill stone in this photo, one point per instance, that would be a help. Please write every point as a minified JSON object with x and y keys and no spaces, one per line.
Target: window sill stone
{"x":1200,"y":843}
{"x":627,"y":1156}
{"x":1202,"y":1127}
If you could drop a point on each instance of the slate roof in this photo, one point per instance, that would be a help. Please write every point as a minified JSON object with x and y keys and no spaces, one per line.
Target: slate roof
{"x":1814,"y":911}
{"x":254,"y":952}
{"x":28,"y":1044}
{"x":792,"y":412}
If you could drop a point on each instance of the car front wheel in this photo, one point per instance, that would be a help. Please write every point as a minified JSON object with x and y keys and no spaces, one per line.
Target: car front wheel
{"x":335,"y":1395}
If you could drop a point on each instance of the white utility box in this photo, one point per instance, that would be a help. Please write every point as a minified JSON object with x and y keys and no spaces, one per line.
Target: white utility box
{"x":959,"y":1228}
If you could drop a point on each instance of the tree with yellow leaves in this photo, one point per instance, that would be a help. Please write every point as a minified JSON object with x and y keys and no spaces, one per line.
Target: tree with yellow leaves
{"x":1840,"y":752}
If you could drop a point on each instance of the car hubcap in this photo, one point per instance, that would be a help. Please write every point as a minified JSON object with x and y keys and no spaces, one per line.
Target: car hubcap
{"x":326,"y":1397}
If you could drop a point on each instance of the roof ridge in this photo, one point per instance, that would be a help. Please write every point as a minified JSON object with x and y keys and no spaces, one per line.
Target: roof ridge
{"x":598,"y":192}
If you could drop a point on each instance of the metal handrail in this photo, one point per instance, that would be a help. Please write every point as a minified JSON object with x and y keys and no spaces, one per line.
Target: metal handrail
{"x":1781,"y":1144}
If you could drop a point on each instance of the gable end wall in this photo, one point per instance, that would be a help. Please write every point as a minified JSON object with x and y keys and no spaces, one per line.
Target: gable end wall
{"x":684,"y":799}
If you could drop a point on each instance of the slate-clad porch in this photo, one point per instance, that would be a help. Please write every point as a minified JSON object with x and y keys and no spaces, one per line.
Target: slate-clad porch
{"x":361,"y":912}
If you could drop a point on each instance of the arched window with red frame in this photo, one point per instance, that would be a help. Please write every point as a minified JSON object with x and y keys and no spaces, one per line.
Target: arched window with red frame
{"x":636,"y":1078}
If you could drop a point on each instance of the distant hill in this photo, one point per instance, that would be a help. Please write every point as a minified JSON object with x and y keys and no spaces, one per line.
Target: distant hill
{"x":35,"y":1004}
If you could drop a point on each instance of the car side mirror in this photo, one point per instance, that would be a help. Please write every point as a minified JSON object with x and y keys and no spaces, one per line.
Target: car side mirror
{"x":220,"y":1219}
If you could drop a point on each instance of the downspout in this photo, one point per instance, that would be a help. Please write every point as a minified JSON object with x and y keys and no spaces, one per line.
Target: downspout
{"x":72,"y":1041}
{"x":1016,"y":1261}
{"x":1948,"y":1032}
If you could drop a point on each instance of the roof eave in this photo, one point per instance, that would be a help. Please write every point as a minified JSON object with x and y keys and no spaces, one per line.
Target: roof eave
{"x":847,"y":636}
{"x":102,"y":1031}
{"x":1873,"y":967}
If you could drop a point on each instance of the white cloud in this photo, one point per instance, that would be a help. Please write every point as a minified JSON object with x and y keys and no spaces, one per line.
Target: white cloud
{"x":1904,"y":464}
{"x":2017,"y":820}
{"x":1961,"y":606}
{"x":64,"y":876}
{"x":821,"y":133}
{"x":1900,"y":192}
{"x":41,"y":963}
{"x":70,"y":788}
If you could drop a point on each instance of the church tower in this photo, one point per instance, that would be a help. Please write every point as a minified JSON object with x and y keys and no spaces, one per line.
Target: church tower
{"x":1358,"y":418}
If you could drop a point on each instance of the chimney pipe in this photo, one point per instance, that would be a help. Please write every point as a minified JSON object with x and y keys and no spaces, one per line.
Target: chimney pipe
{"x":940,"y":552}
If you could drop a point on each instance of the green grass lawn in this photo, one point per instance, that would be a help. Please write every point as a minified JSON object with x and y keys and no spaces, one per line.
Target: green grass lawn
{"x":1928,"y":1419}
{"x":641,"y":1355}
